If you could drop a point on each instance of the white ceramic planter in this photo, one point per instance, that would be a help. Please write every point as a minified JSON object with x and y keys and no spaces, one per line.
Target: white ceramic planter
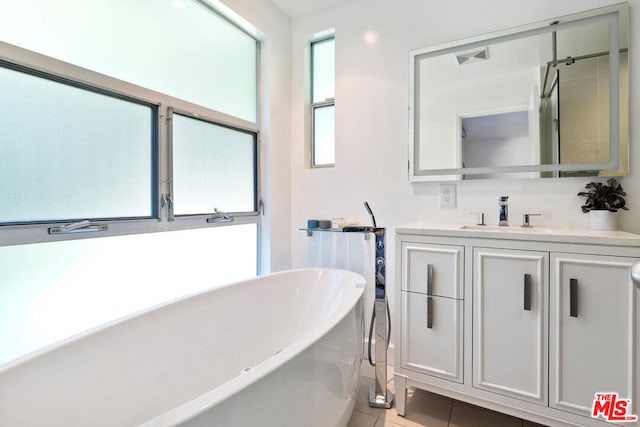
{"x":603,"y":220}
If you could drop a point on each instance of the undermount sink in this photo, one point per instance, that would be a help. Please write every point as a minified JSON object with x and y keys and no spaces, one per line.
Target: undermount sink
{"x":506,"y":229}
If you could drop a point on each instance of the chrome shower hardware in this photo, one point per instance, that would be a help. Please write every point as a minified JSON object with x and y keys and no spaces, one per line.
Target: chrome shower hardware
{"x":379,"y":395}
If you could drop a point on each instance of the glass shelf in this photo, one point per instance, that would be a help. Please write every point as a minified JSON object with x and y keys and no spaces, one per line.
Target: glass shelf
{"x":310,"y":231}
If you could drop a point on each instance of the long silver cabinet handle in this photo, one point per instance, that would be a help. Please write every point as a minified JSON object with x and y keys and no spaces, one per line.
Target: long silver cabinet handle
{"x":527,"y":292}
{"x":429,"y":279}
{"x":573,"y":297}
{"x":430,"y":312}
{"x":635,"y":273}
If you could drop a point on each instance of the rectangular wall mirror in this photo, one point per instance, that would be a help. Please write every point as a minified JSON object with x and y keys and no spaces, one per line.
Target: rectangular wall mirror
{"x":549,"y":99}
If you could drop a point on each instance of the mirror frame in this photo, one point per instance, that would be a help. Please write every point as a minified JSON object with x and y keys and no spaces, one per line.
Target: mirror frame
{"x":612,"y":14}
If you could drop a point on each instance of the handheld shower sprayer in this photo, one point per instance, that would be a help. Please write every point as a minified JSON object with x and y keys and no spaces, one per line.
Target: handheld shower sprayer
{"x":363,"y":228}
{"x":373,"y":218}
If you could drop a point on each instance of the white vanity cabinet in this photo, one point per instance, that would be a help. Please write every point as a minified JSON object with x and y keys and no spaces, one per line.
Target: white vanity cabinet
{"x":528,"y":323}
{"x":510,"y":313}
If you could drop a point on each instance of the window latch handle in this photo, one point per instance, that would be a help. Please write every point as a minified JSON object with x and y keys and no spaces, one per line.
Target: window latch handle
{"x":219,"y":216}
{"x":167,"y":202}
{"x":78,"y":227}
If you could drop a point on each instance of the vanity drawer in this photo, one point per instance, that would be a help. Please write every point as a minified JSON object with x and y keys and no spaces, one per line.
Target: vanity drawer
{"x":432,"y":329}
{"x":431,"y":269}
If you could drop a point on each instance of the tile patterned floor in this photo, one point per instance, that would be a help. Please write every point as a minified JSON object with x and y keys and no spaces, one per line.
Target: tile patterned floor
{"x":425,"y":409}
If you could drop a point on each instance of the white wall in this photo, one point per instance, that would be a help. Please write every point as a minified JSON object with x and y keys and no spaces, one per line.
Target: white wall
{"x":371,"y":122}
{"x":274,"y":32}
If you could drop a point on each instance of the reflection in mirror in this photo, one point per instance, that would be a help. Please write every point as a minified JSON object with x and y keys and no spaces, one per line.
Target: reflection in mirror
{"x":575,"y":101}
{"x":500,"y":139}
{"x":531,"y":102}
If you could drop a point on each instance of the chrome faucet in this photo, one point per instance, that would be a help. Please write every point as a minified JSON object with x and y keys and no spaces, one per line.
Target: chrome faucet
{"x":503,"y":211}
{"x":526,"y":220}
{"x":479,"y":217}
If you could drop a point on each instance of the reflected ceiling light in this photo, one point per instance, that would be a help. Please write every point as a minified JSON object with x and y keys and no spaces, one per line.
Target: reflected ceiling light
{"x":178,"y":4}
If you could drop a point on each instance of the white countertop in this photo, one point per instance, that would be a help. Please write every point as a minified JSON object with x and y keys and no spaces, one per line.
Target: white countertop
{"x":539,"y":234}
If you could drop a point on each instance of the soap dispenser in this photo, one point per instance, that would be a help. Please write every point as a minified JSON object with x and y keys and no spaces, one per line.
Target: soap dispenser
{"x":503,"y":211}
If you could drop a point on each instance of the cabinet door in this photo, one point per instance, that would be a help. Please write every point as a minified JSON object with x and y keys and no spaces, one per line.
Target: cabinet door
{"x":510,"y":293}
{"x":432,"y":335}
{"x":433,"y":269}
{"x":593,"y":338}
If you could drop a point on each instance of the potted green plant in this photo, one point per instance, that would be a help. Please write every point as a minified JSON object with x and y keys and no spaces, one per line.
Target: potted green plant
{"x":602,"y":203}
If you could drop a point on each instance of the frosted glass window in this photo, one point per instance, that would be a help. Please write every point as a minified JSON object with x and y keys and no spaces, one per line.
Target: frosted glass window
{"x":213,"y":167}
{"x":50,"y":291}
{"x":179,"y":47}
{"x":324,"y":151}
{"x":71,"y":153}
{"x":323,"y":70}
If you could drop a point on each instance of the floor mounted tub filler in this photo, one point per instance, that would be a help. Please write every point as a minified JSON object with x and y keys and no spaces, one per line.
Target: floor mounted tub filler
{"x":279,"y":350}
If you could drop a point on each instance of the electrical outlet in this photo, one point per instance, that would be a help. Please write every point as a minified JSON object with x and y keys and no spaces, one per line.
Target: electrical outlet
{"x":447,"y":195}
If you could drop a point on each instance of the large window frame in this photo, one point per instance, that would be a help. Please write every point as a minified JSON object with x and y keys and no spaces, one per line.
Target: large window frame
{"x":162,"y":218}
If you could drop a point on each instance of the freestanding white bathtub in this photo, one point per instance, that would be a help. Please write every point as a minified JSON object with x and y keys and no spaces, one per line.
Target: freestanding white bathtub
{"x":279,"y":350}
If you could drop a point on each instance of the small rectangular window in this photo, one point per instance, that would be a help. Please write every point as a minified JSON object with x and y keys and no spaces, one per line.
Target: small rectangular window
{"x":214,"y":166}
{"x":323,"y":102}
{"x":70,"y":152}
{"x":324,"y":150}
